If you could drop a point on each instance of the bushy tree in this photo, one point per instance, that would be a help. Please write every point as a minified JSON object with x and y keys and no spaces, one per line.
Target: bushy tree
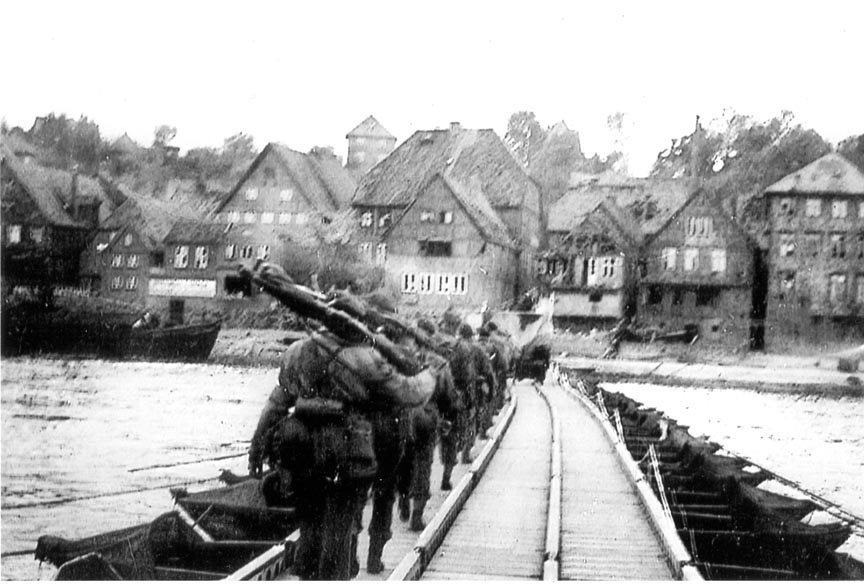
{"x":524,"y":135}
{"x":852,"y":148}
{"x":164,"y":134}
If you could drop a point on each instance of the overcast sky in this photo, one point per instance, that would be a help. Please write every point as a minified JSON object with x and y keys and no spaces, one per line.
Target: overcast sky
{"x":305,"y":73}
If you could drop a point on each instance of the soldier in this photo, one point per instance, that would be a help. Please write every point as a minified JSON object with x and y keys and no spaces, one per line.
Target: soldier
{"x":464,"y":377}
{"x":500,"y":367}
{"x":416,"y":467}
{"x":482,"y":390}
{"x":333,"y":385}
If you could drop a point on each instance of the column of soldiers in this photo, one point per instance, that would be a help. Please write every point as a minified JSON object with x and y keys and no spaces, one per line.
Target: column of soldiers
{"x":344,"y":421}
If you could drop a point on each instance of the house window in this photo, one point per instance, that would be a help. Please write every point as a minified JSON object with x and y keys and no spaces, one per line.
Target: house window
{"x":670,"y":258}
{"x":246,"y":252}
{"x":592,"y":271}
{"x":301,"y":218}
{"x":838,"y":245}
{"x":435,"y":248}
{"x":157,"y":259}
{"x":813,"y":208}
{"x":460,"y":284}
{"x":132,"y":260}
{"x":813,"y":241}
{"x":381,"y":254}
{"x":117,"y":260}
{"x":251,"y":194}
{"x":409,"y":283}
{"x":837,"y":290}
{"x":234,"y":217}
{"x":266,"y":218}
{"x":181,"y":256}
{"x":117,"y":283}
{"x":691,"y":259}
{"x":131,"y":282}
{"x":595,"y":296}
{"x":655,"y":295}
{"x":127,"y":240}
{"x":444,"y":281}
{"x":718,"y":260}
{"x":677,"y":297}
{"x":269,"y":175}
{"x":202,"y":255}
{"x":249,"y":217}
{"x":787,"y":245}
{"x":365,"y":250}
{"x":787,"y":207}
{"x":700,"y":226}
{"x":13,"y":234}
{"x":859,"y":297}
{"x":36,"y":234}
{"x":366,"y":219}
{"x":427,"y":216}
{"x":707,"y":296}
{"x":230,"y":251}
{"x":445,"y":217}
{"x":285,"y":195}
{"x":263,"y":252}
{"x":786,"y":285}
{"x":608,"y":267}
{"x":384,"y":221}
{"x":426,"y":284}
{"x":838,"y":209}
{"x":284,"y":218}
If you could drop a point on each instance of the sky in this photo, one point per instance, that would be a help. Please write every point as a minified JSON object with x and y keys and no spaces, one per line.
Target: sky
{"x":306,"y":73}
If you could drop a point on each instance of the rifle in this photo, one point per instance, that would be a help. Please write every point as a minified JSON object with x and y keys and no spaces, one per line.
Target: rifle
{"x":310,"y":304}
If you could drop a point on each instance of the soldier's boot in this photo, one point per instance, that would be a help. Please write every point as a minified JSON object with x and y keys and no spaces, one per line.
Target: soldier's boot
{"x":374,"y":565}
{"x":417,"y":523}
{"x":404,"y":508}
{"x":445,"y":479}
{"x":466,"y":455}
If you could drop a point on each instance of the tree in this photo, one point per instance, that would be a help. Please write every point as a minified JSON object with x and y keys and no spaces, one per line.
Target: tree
{"x":163,"y":135}
{"x":524,"y":135}
{"x":852,"y":148}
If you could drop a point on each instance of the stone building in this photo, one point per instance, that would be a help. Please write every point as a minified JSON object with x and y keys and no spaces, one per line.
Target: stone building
{"x":368,"y":144}
{"x":127,"y":250}
{"x":595,"y":236}
{"x":474,"y":162}
{"x":448,"y":247}
{"x":816,"y":251}
{"x":698,"y":271}
{"x":282,"y":195}
{"x":48,"y":216}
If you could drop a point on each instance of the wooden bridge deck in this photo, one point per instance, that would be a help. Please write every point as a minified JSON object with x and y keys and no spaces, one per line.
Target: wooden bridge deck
{"x":501,"y":531}
{"x":605,"y":534}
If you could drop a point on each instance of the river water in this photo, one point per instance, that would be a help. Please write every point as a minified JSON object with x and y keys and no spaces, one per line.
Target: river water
{"x":89,"y":446}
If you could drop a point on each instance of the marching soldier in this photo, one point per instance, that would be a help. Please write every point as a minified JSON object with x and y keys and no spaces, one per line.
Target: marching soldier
{"x":482,"y":390}
{"x":334,"y":386}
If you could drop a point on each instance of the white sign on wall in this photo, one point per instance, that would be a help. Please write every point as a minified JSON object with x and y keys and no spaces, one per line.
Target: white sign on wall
{"x":178,"y":287}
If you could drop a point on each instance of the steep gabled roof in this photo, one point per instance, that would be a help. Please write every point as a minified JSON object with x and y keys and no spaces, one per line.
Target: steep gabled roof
{"x":475,"y":205}
{"x":370,"y":128}
{"x":152,"y":218}
{"x":51,"y":190}
{"x":460,"y":155}
{"x":697,"y":193}
{"x":831,"y":174}
{"x":320,"y":177}
{"x":659,"y":197}
{"x":197,"y":232}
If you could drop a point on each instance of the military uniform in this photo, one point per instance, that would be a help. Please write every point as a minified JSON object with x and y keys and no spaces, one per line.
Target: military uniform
{"x":326,"y":443}
{"x":500,"y":367}
{"x":464,"y":377}
{"x":483,"y":387}
{"x":416,"y":467}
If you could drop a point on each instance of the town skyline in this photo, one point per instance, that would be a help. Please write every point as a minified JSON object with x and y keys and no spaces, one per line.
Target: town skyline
{"x":216,"y":72}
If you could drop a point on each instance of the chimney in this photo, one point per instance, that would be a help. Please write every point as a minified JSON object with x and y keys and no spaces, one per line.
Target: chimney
{"x":455,"y":126}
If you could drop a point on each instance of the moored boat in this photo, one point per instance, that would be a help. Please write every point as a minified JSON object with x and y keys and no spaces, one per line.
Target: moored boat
{"x":207,"y":536}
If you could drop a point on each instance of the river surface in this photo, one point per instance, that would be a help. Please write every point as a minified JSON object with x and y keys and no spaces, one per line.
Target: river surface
{"x":89,"y":446}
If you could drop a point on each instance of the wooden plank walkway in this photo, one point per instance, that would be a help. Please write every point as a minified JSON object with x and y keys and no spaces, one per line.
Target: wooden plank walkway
{"x":605,"y":533}
{"x":500,"y":532}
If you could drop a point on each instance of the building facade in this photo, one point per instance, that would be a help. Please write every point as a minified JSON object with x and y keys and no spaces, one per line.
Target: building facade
{"x":698,"y":271}
{"x":475,"y":162}
{"x":816,"y":251}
